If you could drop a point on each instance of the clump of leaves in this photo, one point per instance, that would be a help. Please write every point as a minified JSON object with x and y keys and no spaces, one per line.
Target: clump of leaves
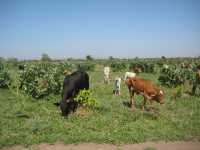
{"x":173,"y":76}
{"x":146,"y":67}
{"x":5,"y":79}
{"x":85,"y":98}
{"x":196,"y":85}
{"x":42,"y":79}
{"x":118,"y":66}
{"x":178,"y":92}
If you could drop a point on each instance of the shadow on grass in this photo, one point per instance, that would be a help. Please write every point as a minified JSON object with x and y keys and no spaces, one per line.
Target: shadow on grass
{"x":101,"y":109}
{"x":126,"y":104}
{"x":150,"y":112}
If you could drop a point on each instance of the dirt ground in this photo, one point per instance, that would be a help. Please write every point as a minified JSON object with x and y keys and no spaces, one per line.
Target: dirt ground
{"x":179,"y":145}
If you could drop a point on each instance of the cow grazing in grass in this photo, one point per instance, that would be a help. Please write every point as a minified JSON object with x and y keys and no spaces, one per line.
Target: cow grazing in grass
{"x":72,"y":84}
{"x":146,"y":88}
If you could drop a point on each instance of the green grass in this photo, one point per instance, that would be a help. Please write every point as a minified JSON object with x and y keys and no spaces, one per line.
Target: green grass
{"x":24,"y":120}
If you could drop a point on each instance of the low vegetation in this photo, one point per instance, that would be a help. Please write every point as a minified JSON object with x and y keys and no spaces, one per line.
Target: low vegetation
{"x":42,"y":79}
{"x":86,"y":99}
{"x":27,"y":121}
{"x":5,"y":79}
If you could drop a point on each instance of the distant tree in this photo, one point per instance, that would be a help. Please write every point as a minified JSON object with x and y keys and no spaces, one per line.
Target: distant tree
{"x":70,"y":59}
{"x":163,"y":57}
{"x":111,"y":58}
{"x":89,"y":57}
{"x":45,"y":57}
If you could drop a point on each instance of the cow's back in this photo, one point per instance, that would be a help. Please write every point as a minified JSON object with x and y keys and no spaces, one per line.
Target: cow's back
{"x":143,"y":85}
{"x":74,"y":83}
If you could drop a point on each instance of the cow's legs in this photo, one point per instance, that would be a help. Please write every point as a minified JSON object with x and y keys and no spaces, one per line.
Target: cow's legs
{"x":132,"y":102}
{"x":144,"y":104}
{"x":130,"y":93}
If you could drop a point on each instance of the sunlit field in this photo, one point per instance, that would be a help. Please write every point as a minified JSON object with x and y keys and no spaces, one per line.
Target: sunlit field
{"x":27,"y":120}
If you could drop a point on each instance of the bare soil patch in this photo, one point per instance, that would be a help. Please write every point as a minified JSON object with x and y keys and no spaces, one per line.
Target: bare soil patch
{"x":179,"y":145}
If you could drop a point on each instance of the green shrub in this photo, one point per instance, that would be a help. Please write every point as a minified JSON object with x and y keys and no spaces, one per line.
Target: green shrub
{"x":196,"y":86}
{"x":45,"y":57}
{"x":118,"y":66}
{"x":86,"y":99}
{"x":173,"y":76}
{"x":42,"y":79}
{"x":5,"y":79}
{"x":146,"y":67}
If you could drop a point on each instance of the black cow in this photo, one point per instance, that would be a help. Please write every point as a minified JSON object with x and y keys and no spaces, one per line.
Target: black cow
{"x":72,"y":84}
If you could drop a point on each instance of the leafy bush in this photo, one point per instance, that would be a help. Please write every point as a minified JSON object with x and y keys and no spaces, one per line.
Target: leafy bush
{"x":5,"y":79}
{"x":89,"y":57}
{"x":196,"y":85}
{"x":118,"y":66}
{"x":86,"y":99}
{"x":172,"y":76}
{"x":144,"y":66}
{"x":42,"y":79}
{"x":45,"y":57}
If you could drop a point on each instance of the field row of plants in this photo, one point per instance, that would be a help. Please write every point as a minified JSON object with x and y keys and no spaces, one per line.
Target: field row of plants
{"x":28,"y":122}
{"x":40,"y":79}
{"x":144,"y":66}
{"x":177,"y":76}
{"x":5,"y":80}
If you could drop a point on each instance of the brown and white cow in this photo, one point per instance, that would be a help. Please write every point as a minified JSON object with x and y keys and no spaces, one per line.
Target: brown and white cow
{"x":146,"y":88}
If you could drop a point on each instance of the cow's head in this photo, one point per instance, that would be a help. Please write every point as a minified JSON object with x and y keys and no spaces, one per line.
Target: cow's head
{"x":68,"y":106}
{"x":160,"y":97}
{"x":128,"y":81}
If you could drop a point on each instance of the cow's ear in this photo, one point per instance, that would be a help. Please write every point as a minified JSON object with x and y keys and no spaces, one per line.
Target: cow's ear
{"x":161,"y":92}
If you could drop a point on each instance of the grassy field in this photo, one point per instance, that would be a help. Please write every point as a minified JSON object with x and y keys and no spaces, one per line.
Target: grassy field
{"x":24,"y":120}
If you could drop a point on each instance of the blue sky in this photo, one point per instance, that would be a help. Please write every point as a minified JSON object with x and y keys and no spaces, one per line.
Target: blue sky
{"x":101,"y":28}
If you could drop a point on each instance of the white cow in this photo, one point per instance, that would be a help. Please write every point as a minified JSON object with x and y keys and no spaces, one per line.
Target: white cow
{"x":117,"y":86}
{"x":129,"y":75}
{"x":106,"y":72}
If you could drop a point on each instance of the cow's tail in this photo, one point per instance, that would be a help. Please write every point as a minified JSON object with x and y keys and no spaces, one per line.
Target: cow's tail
{"x":57,"y":104}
